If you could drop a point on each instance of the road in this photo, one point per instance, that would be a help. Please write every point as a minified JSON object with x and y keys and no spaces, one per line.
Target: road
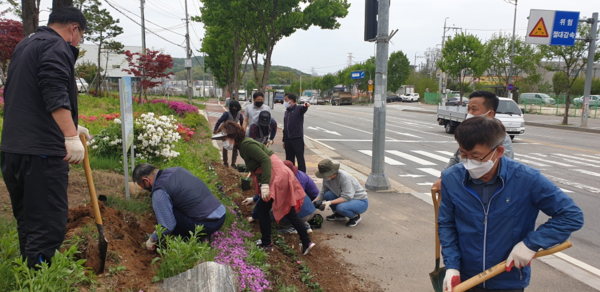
{"x":417,"y":150}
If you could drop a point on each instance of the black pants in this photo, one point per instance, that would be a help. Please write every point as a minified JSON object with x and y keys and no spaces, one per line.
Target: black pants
{"x":185,"y":225}
{"x":477,"y":289}
{"x":294,"y":149}
{"x":234,"y":155}
{"x":38,"y":194}
{"x":264,"y":221}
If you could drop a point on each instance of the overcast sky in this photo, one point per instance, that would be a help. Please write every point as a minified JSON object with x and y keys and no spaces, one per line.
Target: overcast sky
{"x":420,"y":24}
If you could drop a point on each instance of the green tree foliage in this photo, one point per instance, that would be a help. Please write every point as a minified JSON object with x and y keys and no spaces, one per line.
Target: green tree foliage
{"x":422,"y":82}
{"x":249,"y":86}
{"x":87,"y":71}
{"x":328,"y":81}
{"x":218,"y":45}
{"x":398,"y":70}
{"x":102,"y":27}
{"x":497,"y":52}
{"x":560,"y":82}
{"x":463,"y":55}
{"x":572,"y":60}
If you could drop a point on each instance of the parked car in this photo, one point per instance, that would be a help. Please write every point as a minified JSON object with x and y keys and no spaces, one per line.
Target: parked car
{"x":536,"y":98}
{"x":457,"y":101}
{"x":410,"y":97}
{"x":392,"y":98}
{"x":304,"y":99}
{"x":82,"y":86}
{"x":279,"y":96}
{"x":594,"y":100}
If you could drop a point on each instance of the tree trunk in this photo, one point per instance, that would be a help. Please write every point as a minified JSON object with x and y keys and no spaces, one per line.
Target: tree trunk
{"x":60,"y":3}
{"x":98,"y":78}
{"x":567,"y":104}
{"x":236,"y":68}
{"x":30,"y":16}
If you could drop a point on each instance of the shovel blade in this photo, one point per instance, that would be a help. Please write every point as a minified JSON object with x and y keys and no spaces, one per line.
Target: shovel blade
{"x":437,"y":279}
{"x":103,"y":246}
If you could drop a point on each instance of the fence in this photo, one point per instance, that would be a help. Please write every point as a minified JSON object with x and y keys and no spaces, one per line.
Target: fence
{"x":432,"y":98}
{"x":559,"y":107}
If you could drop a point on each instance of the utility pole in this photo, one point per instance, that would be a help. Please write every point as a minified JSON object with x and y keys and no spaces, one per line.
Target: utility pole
{"x":443,"y":79}
{"x":377,"y":179}
{"x":590,"y":67}
{"x":512,"y":52}
{"x":143,"y":27}
{"x":204,"y":72}
{"x":188,"y":60}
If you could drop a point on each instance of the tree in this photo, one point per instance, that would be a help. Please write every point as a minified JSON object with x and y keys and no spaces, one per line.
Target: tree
{"x":87,"y":71}
{"x":572,"y":59}
{"x":463,"y":55}
{"x":11,"y":33}
{"x":249,"y":86}
{"x":560,"y":82}
{"x":328,"y":82}
{"x":398,"y":70}
{"x":149,"y":67}
{"x":30,"y":15}
{"x":60,"y":3}
{"x":432,"y":56}
{"x":101,"y":28}
{"x":497,"y":52}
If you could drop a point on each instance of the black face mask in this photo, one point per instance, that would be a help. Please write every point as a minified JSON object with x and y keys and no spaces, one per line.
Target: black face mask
{"x":258,"y":103}
{"x":234,"y":111}
{"x":148,"y":188}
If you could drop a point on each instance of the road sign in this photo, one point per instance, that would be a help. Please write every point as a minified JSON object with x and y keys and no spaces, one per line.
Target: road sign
{"x":370,"y":81}
{"x":565,"y":28}
{"x":550,"y":27}
{"x":357,"y":75}
{"x":511,"y":87}
{"x":370,"y":87}
{"x":300,"y":89}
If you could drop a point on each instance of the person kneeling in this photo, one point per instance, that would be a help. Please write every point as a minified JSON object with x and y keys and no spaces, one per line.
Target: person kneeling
{"x":342,"y":193}
{"x":180,"y":200}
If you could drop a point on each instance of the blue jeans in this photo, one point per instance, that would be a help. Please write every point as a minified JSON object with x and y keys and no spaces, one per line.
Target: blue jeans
{"x":348,"y":209}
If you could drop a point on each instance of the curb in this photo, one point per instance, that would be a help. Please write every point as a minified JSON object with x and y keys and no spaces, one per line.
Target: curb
{"x":569,"y":128}
{"x":419,"y":111}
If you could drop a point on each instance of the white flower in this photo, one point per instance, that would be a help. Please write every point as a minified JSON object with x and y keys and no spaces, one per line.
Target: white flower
{"x":117,"y":121}
{"x":95,"y":147}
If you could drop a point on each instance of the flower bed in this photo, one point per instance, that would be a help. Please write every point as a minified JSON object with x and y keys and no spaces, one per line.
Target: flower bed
{"x":181,"y":108}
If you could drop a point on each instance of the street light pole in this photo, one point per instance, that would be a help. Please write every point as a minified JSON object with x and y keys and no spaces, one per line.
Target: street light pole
{"x":512,"y":50}
{"x":590,"y":66}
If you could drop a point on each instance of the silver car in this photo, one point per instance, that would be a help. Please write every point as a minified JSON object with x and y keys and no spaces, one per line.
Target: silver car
{"x":594,"y":100}
{"x":536,"y":98}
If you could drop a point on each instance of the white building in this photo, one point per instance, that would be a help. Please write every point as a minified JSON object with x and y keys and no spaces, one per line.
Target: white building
{"x":116,"y":62}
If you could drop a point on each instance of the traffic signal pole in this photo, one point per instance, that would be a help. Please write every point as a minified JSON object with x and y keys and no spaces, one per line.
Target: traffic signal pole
{"x":377,"y":179}
{"x":590,"y":67}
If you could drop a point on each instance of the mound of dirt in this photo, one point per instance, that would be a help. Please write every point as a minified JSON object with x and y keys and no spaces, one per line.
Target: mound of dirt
{"x":126,"y":235}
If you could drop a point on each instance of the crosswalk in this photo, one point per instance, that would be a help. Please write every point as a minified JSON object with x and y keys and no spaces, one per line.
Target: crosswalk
{"x":424,"y":166}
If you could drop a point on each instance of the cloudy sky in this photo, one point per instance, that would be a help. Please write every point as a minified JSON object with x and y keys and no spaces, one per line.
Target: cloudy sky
{"x":420,"y":24}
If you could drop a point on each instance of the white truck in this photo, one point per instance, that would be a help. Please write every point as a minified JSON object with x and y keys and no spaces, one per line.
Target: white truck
{"x":241,"y":95}
{"x":508,"y":113}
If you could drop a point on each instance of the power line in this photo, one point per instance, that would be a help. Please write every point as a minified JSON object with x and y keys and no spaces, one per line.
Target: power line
{"x":123,"y":8}
{"x":148,"y":30}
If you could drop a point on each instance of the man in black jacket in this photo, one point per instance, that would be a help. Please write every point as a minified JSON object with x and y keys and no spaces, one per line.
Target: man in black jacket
{"x":293,"y":130}
{"x":40,"y":132}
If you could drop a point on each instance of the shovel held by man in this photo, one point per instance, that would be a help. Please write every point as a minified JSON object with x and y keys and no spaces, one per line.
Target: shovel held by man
{"x":102,"y":242}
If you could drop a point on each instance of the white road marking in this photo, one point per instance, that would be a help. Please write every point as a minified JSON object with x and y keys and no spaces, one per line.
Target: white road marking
{"x":565,"y":157}
{"x":544,"y":160}
{"x":431,"y":171}
{"x":578,"y":263}
{"x":411,"y":175}
{"x":573,"y":184}
{"x":445,"y":152}
{"x":324,"y":130}
{"x":431,"y":155}
{"x":589,"y":156}
{"x":410,"y":157}
{"x":320,"y":143}
{"x":386,"y":159}
{"x":571,"y":157}
{"x":355,"y":129}
{"x":426,"y":184}
{"x":587,"y":172}
{"x":404,"y":134}
{"x":565,"y":190}
{"x":386,"y":141}
{"x":531,"y":163}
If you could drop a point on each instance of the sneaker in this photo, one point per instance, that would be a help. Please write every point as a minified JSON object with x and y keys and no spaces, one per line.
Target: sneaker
{"x":307,"y":249}
{"x":226,"y":164}
{"x":335,"y":217}
{"x":233,"y":166}
{"x":250,"y":219}
{"x":266,"y":248}
{"x":354,"y":221}
{"x":259,"y":242}
{"x":308,"y":229}
{"x":290,"y":230}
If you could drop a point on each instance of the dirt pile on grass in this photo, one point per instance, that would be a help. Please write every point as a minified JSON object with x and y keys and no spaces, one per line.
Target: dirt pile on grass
{"x":126,"y":235}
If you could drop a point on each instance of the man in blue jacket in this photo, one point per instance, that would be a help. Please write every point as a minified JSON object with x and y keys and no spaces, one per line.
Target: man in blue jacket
{"x":489,"y":207}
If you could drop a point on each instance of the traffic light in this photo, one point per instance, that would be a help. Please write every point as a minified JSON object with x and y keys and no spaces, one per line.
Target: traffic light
{"x":371,"y":10}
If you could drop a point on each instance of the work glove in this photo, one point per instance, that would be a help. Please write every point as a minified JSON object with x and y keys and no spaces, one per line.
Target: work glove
{"x":452,"y":279}
{"x":271,"y":142}
{"x":264,"y":192}
{"x":83,"y":130}
{"x":150,"y":244}
{"x":519,"y":257}
{"x":327,"y":205}
{"x":247,"y":201}
{"x":75,"y":150}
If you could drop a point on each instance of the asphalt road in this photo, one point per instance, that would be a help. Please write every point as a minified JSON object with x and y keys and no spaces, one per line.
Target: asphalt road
{"x":417,"y":150}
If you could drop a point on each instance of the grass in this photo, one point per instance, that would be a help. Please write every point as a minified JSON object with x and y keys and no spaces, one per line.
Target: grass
{"x":139,"y":206}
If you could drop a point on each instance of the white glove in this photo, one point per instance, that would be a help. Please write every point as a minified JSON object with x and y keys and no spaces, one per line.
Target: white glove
{"x":75,"y":150}
{"x":271,"y":142}
{"x":452,"y":279}
{"x":327,"y":205}
{"x":264,"y":192}
{"x":247,"y":201}
{"x":83,"y":130}
{"x":519,"y":257}
{"x":150,"y":244}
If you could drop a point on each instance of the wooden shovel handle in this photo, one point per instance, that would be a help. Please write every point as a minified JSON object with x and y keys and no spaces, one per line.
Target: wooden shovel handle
{"x":501,"y":267}
{"x":90,"y":181}
{"x":436,"y":196}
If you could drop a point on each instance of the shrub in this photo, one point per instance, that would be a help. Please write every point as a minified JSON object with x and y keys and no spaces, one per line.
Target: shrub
{"x":192,"y":120}
{"x":181,"y":108}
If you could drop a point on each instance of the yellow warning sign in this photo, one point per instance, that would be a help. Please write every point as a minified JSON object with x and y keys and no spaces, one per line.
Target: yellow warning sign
{"x":370,"y":87}
{"x":539,"y":30}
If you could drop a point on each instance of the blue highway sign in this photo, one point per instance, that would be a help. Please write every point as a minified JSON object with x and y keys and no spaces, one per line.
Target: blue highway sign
{"x":565,"y":28}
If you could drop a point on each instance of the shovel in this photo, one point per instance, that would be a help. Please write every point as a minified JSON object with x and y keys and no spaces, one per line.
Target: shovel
{"x":246,"y":182}
{"x":438,"y":274}
{"x":501,"y":267}
{"x":102,"y":242}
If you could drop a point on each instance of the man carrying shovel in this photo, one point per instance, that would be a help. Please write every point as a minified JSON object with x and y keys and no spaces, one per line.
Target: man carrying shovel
{"x":489,"y":207}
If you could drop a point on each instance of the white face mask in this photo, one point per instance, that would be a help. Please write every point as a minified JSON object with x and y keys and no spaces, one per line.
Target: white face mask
{"x":470,"y":115}
{"x":286,"y":104}
{"x":477,"y":168}
{"x":227,"y":145}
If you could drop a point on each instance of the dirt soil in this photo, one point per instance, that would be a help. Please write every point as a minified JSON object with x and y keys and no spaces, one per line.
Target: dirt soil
{"x":326,"y":263}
